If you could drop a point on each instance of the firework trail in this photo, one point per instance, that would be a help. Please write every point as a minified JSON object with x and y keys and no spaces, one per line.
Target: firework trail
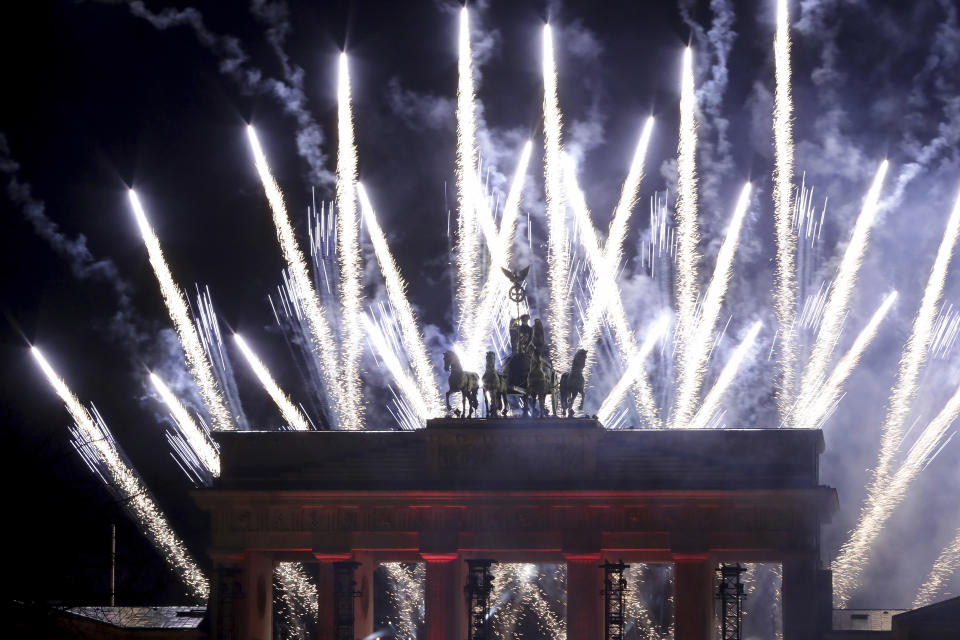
{"x":288,"y":410}
{"x":557,"y":257}
{"x":607,"y":290}
{"x":712,"y":401}
{"x":468,"y":262}
{"x":851,"y":559}
{"x":519,"y":594}
{"x":406,"y":592}
{"x":944,"y":569}
{"x":301,"y":288}
{"x":842,"y":288}
{"x":297,"y":595}
{"x":821,"y":399}
{"x":125,"y":481}
{"x":180,"y":315}
{"x":388,"y":356}
{"x":606,"y":270}
{"x":397,"y":292}
{"x":492,"y":296}
{"x":348,"y":232}
{"x":701,"y":335}
{"x":636,"y":368}
{"x":785,"y":298}
{"x":688,"y":235}
{"x":196,"y":437}
{"x":914,"y":356}
{"x":208,"y":325}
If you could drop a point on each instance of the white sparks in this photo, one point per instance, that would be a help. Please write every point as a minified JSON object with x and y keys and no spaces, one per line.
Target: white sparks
{"x":607,"y":290}
{"x":196,"y":437}
{"x":468,"y":261}
{"x":943,"y":570}
{"x":697,"y":344}
{"x":288,"y":410}
{"x":712,"y":401}
{"x":851,"y":560}
{"x":844,"y":282}
{"x":688,"y":234}
{"x":125,"y":481}
{"x":557,"y":256}
{"x":636,"y":369}
{"x":389,"y":358}
{"x":785,"y":297}
{"x":302,"y":288}
{"x":492,"y":299}
{"x":915,"y":353}
{"x":397,"y":292}
{"x":348,"y":231}
{"x":605,"y":272}
{"x":180,"y":315}
{"x":821,"y":399}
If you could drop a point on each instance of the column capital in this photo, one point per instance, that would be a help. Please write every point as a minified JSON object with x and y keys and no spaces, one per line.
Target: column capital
{"x":690,"y":556}
{"x":433,"y":556}
{"x":581,"y":556}
{"x":325,"y":556}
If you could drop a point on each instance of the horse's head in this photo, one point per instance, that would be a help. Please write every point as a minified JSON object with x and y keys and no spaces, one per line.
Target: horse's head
{"x":491,"y":359}
{"x":580,"y":359}
{"x":447,"y":360}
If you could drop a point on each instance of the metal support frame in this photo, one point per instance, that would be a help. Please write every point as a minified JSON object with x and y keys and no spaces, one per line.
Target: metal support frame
{"x":477,"y":591}
{"x":614,"y":589}
{"x":344,"y":593}
{"x":730,"y":594}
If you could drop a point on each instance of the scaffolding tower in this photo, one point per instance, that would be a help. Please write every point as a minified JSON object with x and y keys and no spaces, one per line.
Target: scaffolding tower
{"x":730,"y":593}
{"x":614,"y":589}
{"x":477,"y":590}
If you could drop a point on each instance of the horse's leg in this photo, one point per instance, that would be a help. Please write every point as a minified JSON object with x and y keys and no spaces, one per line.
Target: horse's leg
{"x":449,"y":408}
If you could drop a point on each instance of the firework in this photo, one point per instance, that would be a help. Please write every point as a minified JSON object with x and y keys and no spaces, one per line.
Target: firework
{"x":822,"y":398}
{"x":492,"y":296}
{"x":636,"y":369}
{"x":712,"y":401}
{"x":297,"y":597}
{"x":196,"y":437}
{"x":688,"y":234}
{"x":348,"y":232}
{"x":843,"y":285}
{"x":180,"y":315}
{"x":125,"y":482}
{"x":557,"y":257}
{"x":944,"y":569}
{"x":397,"y":292}
{"x":302,"y":288}
{"x":851,"y":560}
{"x":606,"y":289}
{"x":405,"y":588}
{"x":288,"y":410}
{"x":208,"y":326}
{"x":698,"y":343}
{"x":467,"y":245}
{"x":606,"y":270}
{"x":388,"y":356}
{"x":915,"y":354}
{"x":785,"y":298}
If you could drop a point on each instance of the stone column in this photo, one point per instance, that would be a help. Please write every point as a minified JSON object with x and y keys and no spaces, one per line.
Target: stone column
{"x":692,"y":596}
{"x":257,"y":583}
{"x":442,"y":592}
{"x":584,"y":596}
{"x":363,"y":606}
{"x":325,"y":611}
{"x":226,"y":597}
{"x":799,"y":593}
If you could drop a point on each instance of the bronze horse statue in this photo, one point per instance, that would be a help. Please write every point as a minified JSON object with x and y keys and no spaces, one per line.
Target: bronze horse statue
{"x":494,"y":388}
{"x":572,"y":383}
{"x":541,"y":382}
{"x":464,"y":382}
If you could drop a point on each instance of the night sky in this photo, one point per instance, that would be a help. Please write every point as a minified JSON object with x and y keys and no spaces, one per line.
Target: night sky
{"x":99,"y":97}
